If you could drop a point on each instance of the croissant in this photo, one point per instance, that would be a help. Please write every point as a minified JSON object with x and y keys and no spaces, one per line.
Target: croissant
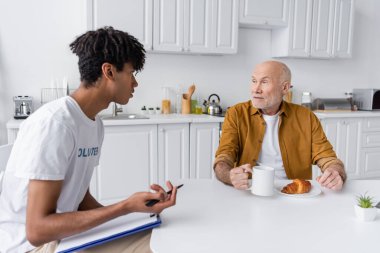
{"x":298,"y":186}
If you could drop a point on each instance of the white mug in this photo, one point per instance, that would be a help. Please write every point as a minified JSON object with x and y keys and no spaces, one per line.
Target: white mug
{"x":262,"y":180}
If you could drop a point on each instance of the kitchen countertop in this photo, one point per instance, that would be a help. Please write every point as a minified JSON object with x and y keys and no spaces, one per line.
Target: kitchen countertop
{"x":153,"y":119}
{"x":165,"y":119}
{"x":349,"y":114}
{"x":204,"y":118}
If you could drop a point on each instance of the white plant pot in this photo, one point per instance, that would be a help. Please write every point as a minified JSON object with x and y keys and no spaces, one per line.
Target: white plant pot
{"x":365,"y":214}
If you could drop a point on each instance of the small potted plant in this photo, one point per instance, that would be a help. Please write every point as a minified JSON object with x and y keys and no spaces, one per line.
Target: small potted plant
{"x":365,"y":209}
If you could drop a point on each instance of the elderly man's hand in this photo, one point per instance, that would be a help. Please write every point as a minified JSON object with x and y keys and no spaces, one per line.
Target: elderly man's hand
{"x":331,"y":179}
{"x":239,"y":176}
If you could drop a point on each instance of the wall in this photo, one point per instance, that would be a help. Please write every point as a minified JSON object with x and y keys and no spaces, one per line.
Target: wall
{"x":34,"y":48}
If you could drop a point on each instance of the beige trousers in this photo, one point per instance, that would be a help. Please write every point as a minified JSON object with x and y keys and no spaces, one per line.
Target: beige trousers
{"x":137,"y":243}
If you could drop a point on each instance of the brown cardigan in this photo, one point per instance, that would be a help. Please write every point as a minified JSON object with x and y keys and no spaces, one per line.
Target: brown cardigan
{"x":301,"y":139}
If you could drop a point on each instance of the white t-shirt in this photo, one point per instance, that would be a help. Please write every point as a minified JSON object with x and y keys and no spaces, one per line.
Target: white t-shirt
{"x":270,"y":154}
{"x":57,"y":142}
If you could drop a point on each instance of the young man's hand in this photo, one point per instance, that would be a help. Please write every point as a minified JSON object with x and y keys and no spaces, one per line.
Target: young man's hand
{"x":137,"y":202}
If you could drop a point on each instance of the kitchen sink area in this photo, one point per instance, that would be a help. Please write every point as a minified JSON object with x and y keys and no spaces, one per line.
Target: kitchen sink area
{"x":124,"y":116}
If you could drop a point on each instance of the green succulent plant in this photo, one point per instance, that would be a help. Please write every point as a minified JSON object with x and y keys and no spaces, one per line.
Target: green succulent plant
{"x":365,"y":201}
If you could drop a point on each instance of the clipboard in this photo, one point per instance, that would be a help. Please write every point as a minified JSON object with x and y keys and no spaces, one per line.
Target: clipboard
{"x":114,"y":229}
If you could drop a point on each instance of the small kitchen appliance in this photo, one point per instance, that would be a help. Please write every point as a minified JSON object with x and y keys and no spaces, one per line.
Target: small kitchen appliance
{"x":366,"y":99}
{"x":213,"y":108}
{"x":332,"y":104}
{"x":23,"y":106}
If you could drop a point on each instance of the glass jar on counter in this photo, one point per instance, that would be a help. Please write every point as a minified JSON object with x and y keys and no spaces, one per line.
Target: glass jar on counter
{"x":306,"y":99}
{"x":165,"y":100}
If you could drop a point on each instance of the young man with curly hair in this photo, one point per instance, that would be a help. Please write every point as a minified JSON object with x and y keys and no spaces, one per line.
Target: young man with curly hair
{"x":45,"y":194}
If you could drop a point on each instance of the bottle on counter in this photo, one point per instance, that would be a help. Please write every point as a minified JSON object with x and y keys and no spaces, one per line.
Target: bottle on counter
{"x":165,"y":100}
{"x":198,"y":106}
{"x":306,"y":100}
{"x":349,"y":95}
{"x":143,"y":110}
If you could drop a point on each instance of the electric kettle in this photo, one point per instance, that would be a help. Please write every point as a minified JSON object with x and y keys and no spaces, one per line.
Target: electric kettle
{"x":212,"y":106}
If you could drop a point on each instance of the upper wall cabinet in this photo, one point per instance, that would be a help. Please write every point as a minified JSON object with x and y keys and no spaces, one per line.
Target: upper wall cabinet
{"x":195,"y":26}
{"x":174,"y":26}
{"x":344,"y":24}
{"x":317,"y":29}
{"x":263,"y":14}
{"x":134,"y":17}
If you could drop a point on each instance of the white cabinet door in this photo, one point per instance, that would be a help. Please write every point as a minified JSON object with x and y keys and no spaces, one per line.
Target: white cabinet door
{"x":344,"y":23}
{"x":322,"y":28}
{"x":370,"y":152}
{"x":263,"y":14}
{"x":226,"y":26}
{"x":134,"y":17}
{"x":294,"y":40}
{"x":317,"y":29}
{"x":128,"y":162}
{"x":204,"y":141}
{"x":195,"y":26}
{"x":370,"y":162}
{"x":344,"y":136}
{"x":168,"y":26}
{"x":300,"y":30}
{"x":198,"y":26}
{"x":173,"y":152}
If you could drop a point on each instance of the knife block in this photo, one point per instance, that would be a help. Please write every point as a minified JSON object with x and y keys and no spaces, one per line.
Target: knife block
{"x":186,"y":104}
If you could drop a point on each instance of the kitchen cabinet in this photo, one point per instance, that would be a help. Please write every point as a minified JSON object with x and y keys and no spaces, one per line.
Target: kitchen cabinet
{"x":134,"y":17}
{"x":173,"y":152}
{"x":344,"y":136}
{"x":317,"y":29}
{"x":187,"y":150}
{"x":133,"y":157}
{"x":344,"y":23}
{"x":204,"y":141}
{"x":263,"y":14}
{"x":370,"y":148}
{"x":137,"y":153}
{"x":174,"y":26}
{"x":136,"y":156}
{"x":195,"y":26}
{"x":128,"y":162}
{"x":356,"y":141}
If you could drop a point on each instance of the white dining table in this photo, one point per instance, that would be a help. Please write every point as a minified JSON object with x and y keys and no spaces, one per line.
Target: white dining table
{"x":213,"y":217}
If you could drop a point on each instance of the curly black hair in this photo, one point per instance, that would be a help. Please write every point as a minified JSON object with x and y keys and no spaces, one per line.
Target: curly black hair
{"x":106,"y":45}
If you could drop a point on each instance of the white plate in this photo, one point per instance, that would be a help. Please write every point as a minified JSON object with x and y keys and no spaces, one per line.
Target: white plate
{"x":314,"y":191}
